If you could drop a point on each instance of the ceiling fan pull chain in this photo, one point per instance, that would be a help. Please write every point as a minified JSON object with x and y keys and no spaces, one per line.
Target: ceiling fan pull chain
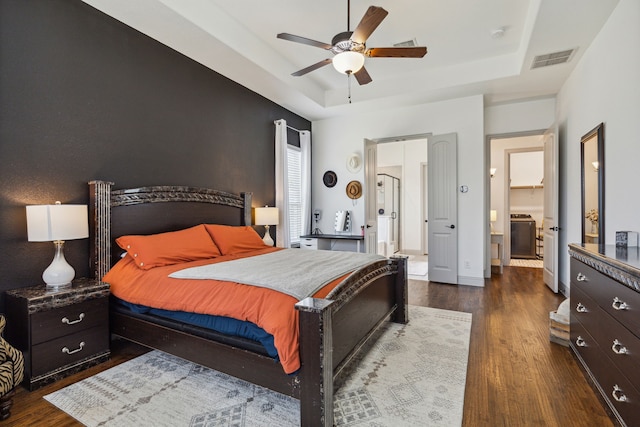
{"x":349,"y":85}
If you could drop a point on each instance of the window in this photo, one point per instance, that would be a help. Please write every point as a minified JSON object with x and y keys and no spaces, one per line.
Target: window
{"x":294,"y":167}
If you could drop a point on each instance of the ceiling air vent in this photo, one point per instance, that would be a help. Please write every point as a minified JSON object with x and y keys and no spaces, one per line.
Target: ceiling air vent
{"x":552,"y":59}
{"x":408,"y":43}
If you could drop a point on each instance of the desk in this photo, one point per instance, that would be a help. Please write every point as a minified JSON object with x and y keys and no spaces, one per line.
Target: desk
{"x":498,"y":239}
{"x":327,"y":241}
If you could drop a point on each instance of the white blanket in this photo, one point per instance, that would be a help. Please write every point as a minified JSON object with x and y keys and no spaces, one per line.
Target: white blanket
{"x":296,"y":272}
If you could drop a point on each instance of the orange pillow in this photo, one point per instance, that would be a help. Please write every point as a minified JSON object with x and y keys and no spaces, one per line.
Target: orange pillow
{"x":169,"y":248}
{"x":234,"y":240}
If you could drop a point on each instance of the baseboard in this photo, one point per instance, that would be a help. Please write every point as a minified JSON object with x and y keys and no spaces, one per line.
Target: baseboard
{"x":471,"y":281}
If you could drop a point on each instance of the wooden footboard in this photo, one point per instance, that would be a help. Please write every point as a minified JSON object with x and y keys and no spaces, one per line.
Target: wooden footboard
{"x":332,"y":330}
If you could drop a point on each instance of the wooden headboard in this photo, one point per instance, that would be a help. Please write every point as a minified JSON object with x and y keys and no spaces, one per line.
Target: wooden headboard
{"x":156,"y":209}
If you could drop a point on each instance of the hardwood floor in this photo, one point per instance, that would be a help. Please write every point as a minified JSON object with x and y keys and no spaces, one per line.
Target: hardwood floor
{"x":515,"y":377}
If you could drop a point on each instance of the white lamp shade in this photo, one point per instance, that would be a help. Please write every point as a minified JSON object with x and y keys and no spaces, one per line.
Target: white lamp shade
{"x":348,"y":62}
{"x":47,"y":223}
{"x":267,"y":216}
{"x":493,"y":216}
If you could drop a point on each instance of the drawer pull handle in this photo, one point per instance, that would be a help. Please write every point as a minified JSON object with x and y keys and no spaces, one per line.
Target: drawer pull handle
{"x":618,"y":304}
{"x":67,"y":351}
{"x":580,"y":342}
{"x":581,"y":277}
{"x":618,"y":394}
{"x":618,"y":348}
{"x":72,"y":322}
{"x":581,"y":308}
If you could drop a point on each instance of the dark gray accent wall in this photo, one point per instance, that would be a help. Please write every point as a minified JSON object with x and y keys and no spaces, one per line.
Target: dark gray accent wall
{"x":83,"y":97}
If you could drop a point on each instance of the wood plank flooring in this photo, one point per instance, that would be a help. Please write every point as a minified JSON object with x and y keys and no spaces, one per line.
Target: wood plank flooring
{"x":516,"y":377}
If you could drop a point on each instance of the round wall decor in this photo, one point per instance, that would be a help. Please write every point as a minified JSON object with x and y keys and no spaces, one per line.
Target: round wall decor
{"x":354,"y":190}
{"x":330,"y":179}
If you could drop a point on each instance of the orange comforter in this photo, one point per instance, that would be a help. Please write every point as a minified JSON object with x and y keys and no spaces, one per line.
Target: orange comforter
{"x":271,"y":310}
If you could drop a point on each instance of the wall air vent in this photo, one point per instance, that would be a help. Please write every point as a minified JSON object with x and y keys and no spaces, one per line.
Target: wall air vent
{"x":408,"y":43}
{"x":552,"y":59}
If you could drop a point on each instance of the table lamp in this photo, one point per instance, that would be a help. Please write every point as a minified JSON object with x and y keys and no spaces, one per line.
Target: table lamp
{"x":267,"y":216}
{"x":57,"y":223}
{"x":493,"y":217}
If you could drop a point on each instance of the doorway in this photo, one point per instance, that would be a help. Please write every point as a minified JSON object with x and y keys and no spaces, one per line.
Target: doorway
{"x":516,"y":202}
{"x":403,"y":158}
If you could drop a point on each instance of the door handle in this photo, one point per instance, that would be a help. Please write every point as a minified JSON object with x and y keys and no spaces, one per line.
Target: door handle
{"x":554,"y":228}
{"x":452,"y":226}
{"x":368,"y":225}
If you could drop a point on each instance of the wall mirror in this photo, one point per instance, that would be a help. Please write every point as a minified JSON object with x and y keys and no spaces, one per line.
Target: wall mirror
{"x":592,"y":158}
{"x":343,"y":222}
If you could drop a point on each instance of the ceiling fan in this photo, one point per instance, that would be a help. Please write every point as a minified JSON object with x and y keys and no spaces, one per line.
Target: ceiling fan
{"x":350,"y":49}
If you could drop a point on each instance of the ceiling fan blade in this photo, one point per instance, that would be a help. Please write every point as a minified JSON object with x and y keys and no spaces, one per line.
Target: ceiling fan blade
{"x":312,"y":67}
{"x":362,"y":76}
{"x":370,"y":21}
{"x":396,"y":52}
{"x":304,"y":40}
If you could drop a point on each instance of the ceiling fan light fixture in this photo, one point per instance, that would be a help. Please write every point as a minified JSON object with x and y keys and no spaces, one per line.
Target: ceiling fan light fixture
{"x":348,"y":62}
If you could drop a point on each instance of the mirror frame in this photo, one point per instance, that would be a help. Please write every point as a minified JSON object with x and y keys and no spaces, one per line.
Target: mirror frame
{"x":598,"y":134}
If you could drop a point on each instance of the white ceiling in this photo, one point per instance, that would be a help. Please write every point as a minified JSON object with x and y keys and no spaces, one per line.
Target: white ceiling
{"x":237,"y":38}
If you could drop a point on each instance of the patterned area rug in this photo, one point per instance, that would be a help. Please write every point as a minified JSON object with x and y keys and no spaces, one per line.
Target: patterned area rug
{"x":413,"y":375}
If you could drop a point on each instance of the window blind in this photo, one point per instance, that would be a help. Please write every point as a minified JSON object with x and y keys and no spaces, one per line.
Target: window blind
{"x":294,"y":160}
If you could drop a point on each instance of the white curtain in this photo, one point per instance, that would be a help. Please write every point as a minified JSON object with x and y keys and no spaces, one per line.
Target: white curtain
{"x":282,"y":184}
{"x":283,"y":235}
{"x":305,"y":149}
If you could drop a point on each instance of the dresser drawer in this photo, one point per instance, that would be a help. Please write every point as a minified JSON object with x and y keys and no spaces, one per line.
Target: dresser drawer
{"x":51,"y":324}
{"x":615,"y":341}
{"x":69,"y":349}
{"x":615,"y":298}
{"x":307,"y":243}
{"x":315,"y":243}
{"x":617,"y":389}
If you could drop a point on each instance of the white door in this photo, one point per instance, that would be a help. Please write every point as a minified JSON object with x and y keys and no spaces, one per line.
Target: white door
{"x":550,"y":231}
{"x":443,"y":208}
{"x":424,"y":188}
{"x":371,"y":197}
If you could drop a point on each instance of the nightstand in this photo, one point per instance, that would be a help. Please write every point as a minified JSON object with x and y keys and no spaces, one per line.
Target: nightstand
{"x":60,"y":332}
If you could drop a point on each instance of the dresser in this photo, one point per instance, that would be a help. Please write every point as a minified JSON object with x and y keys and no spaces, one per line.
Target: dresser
{"x":605,"y":324}
{"x":59,"y":332}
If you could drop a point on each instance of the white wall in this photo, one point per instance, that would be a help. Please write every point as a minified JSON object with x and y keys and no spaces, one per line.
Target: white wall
{"x":604,"y":87}
{"x":335,"y":138}
{"x":520,"y":116}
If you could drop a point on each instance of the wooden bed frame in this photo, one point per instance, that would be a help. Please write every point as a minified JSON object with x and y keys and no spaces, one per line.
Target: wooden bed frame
{"x":332,"y":330}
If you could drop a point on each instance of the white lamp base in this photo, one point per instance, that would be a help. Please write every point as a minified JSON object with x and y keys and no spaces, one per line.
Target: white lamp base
{"x":59,"y":274}
{"x":267,"y":237}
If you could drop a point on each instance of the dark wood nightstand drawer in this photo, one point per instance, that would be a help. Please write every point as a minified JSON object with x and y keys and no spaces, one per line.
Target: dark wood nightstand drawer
{"x":51,"y":324}
{"x":68,"y":349}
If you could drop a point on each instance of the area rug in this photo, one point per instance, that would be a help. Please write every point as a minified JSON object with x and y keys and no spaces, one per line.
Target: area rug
{"x":413,"y":375}
{"x":531,"y":263}
{"x":418,"y":268}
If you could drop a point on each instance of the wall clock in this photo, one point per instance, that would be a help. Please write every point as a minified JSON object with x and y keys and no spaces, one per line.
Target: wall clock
{"x":330,"y":179}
